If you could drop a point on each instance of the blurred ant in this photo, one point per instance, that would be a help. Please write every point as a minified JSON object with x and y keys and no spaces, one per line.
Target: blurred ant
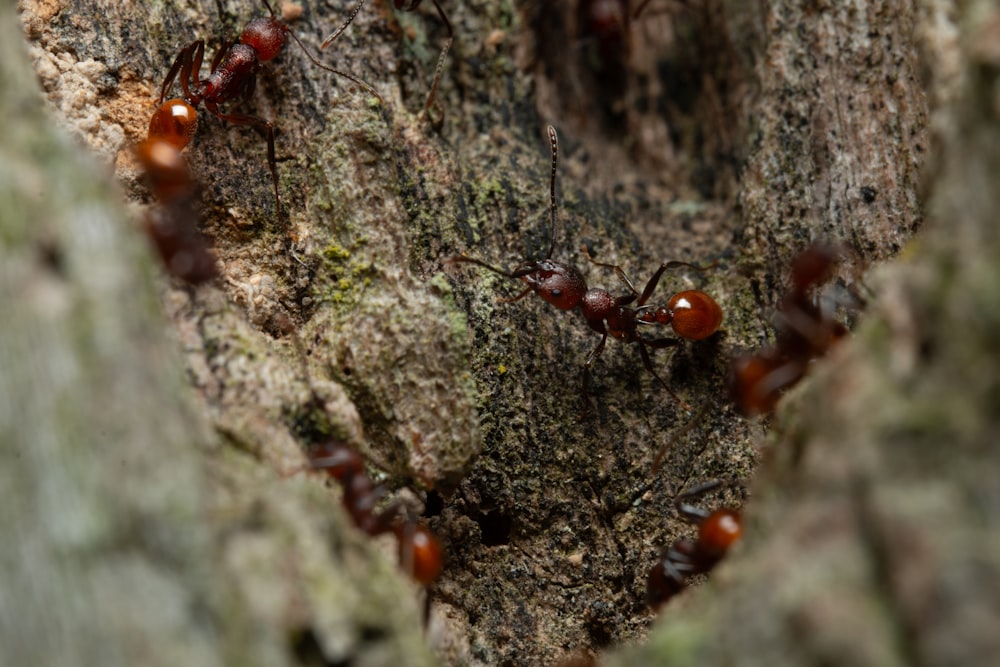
{"x":409,"y":6}
{"x":171,"y":225}
{"x":419,"y":549}
{"x":692,"y":314}
{"x":233,"y":78}
{"x":420,"y":552}
{"x":608,"y":22}
{"x":718,"y":531}
{"x":805,"y":330}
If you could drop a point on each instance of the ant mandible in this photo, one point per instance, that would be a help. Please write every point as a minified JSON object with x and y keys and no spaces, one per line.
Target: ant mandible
{"x":409,"y":6}
{"x":419,"y":549}
{"x":805,"y":330}
{"x":233,"y":78}
{"x":718,"y":531}
{"x":692,"y":314}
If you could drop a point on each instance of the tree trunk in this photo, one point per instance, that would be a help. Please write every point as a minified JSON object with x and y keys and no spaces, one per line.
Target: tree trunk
{"x":712,"y":130}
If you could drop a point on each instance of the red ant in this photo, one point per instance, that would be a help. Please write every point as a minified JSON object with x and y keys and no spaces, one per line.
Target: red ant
{"x":419,"y":550}
{"x":718,"y":531}
{"x":171,"y":225}
{"x":233,"y":78}
{"x":692,"y":314}
{"x":806,"y":330}
{"x":409,"y":6}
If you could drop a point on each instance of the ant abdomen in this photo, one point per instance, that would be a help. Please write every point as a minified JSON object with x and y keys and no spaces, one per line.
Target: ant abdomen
{"x":720,"y":531}
{"x":419,"y":552}
{"x":696,"y":315}
{"x":174,"y":122}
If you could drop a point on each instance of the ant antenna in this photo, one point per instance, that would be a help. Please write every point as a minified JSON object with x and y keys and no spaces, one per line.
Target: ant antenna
{"x":554,"y":144}
{"x":683,"y":430}
{"x":336,"y":33}
{"x":364,"y":84}
{"x":528,"y":270}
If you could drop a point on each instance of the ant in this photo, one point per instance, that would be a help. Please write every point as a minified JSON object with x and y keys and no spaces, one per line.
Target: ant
{"x":608,"y":23}
{"x":233,"y":78}
{"x":170,"y":227}
{"x":718,"y":531}
{"x":692,"y":314}
{"x":409,"y":6}
{"x":419,"y":549}
{"x":805,"y":330}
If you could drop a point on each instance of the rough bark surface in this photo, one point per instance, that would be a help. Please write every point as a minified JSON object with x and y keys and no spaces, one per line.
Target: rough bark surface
{"x":715,"y":130}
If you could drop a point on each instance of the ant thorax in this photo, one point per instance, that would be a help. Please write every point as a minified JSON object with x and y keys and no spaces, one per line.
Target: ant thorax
{"x":604,"y":314}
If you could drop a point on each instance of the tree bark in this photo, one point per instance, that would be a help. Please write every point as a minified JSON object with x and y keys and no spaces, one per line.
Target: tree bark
{"x":728,"y":131}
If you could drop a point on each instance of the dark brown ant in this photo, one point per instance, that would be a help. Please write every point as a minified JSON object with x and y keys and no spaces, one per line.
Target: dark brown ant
{"x":409,"y":6}
{"x":419,"y":549}
{"x":692,"y":314}
{"x":805,"y":330}
{"x":232,"y":79}
{"x":718,"y":531}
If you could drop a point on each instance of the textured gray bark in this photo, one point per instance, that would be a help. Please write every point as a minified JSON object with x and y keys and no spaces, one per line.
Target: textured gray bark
{"x":725,"y":130}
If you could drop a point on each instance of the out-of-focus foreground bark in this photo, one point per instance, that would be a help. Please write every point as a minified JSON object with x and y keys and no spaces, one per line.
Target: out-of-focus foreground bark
{"x":148,"y":522}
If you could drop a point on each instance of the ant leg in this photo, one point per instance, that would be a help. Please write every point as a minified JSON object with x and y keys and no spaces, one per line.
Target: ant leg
{"x":681,"y":561}
{"x":168,"y":81}
{"x":657,"y":344}
{"x":654,"y":281}
{"x":620,"y":272}
{"x":690,"y":512}
{"x":268,"y":129}
{"x":216,"y":60}
{"x":182,"y":65}
{"x":591,"y":358}
{"x":441,"y":60}
{"x":658,"y":459}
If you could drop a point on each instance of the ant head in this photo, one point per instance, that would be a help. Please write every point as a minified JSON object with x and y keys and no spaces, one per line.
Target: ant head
{"x":266,"y":35}
{"x":559,"y":284}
